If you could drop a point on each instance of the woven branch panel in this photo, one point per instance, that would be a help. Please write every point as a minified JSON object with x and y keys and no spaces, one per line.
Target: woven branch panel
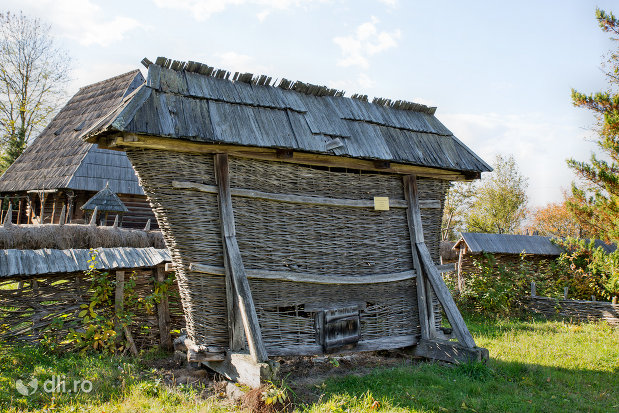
{"x":189,"y":221}
{"x":282,"y":307}
{"x":29,"y":312}
{"x":291,"y":237}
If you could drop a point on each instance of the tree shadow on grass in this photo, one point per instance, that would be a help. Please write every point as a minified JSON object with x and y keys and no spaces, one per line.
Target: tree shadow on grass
{"x":498,"y":386}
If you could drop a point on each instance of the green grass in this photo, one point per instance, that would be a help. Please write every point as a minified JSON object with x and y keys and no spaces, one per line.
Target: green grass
{"x":536,"y":366}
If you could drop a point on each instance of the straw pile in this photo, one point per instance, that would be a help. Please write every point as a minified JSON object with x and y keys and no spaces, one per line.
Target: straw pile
{"x":76,"y":236}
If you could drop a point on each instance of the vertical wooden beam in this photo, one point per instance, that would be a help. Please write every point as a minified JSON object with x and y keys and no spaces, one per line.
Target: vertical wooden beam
{"x":53,"y":209}
{"x":19,"y":211}
{"x":70,"y":198}
{"x":422,"y":295}
{"x":29,"y":209}
{"x":119,"y":296}
{"x":42,"y":196}
{"x":460,"y":282}
{"x":163,"y":312}
{"x":234,"y":263}
{"x":432,"y":274}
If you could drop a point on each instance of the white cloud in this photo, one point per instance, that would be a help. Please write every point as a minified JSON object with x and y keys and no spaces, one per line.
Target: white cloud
{"x":390,"y":3}
{"x":539,"y":144}
{"x":203,"y":9}
{"x":365,"y":42}
{"x":81,"y":20}
{"x":238,"y":62}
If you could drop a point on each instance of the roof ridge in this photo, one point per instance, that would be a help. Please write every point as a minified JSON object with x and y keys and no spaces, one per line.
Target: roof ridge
{"x":297,"y":86}
{"x":92,"y":85}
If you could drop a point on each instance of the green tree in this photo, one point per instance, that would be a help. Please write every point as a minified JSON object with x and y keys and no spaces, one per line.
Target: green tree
{"x":500,"y":202}
{"x":595,"y":201}
{"x":33,"y":76}
{"x":457,"y":204}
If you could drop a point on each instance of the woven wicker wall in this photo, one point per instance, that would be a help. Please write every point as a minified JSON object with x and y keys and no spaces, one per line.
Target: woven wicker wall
{"x":190,"y":223}
{"x":330,"y":241}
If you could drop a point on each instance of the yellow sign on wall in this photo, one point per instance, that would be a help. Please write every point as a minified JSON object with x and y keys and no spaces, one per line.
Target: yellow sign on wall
{"x":381,"y":203}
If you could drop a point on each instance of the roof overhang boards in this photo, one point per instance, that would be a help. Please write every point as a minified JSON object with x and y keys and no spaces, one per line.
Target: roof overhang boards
{"x":129,"y":140}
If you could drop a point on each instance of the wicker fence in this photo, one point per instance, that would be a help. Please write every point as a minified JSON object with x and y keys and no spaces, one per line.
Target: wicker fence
{"x":574,"y":310}
{"x":33,"y":306}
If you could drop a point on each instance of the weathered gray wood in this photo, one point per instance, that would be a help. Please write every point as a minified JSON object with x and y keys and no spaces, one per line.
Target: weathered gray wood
{"x":448,"y":351}
{"x":565,"y":291}
{"x":119,"y":298}
{"x":309,"y":278}
{"x":444,"y":297}
{"x":301,"y":199}
{"x":410,"y":185}
{"x":241,"y":368}
{"x":533,"y":289}
{"x":446,"y":267}
{"x":460,"y":282}
{"x":383,"y":343}
{"x":202,"y":357}
{"x":234,"y":261}
{"x":163,"y":312}
{"x":130,"y":342}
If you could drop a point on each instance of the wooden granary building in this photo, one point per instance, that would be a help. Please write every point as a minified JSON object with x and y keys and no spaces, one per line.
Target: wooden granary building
{"x":299,"y":221}
{"x":61,"y":169}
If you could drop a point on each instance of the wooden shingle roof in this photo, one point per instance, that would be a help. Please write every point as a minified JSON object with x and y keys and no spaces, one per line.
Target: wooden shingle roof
{"x":105,"y":200}
{"x":59,"y":159}
{"x":196,"y":102}
{"x":477,"y":243}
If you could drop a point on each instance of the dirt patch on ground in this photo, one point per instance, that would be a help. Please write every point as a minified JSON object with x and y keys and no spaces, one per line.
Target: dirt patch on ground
{"x":305,"y":375}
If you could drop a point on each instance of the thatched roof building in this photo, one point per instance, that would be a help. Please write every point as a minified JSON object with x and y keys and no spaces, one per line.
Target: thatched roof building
{"x":299,"y":221}
{"x":59,"y":168}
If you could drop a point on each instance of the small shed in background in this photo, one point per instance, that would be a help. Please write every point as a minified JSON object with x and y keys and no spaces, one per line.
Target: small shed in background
{"x":506,"y":249}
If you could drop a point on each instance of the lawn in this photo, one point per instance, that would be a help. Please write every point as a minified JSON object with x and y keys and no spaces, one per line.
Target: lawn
{"x":534,"y":366}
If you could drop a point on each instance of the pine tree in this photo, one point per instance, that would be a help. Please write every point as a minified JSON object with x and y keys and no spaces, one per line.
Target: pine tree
{"x":595,"y":203}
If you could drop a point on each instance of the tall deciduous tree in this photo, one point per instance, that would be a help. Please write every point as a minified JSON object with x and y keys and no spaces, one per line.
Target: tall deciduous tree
{"x":500,"y":201}
{"x":596,"y":201}
{"x":457,"y":204}
{"x":34,"y":73}
{"x":556,"y":220}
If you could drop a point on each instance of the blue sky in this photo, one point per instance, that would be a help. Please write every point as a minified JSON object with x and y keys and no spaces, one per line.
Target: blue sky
{"x":500,"y":73}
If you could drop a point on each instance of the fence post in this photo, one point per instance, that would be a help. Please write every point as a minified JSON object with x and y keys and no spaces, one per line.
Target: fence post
{"x":163,"y":312}
{"x":533,"y":289}
{"x":593,"y":298}
{"x":119,"y":299}
{"x":615,"y":300}
{"x":565,"y":293}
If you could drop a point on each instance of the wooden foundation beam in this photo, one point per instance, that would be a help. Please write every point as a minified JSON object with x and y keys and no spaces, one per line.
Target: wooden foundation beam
{"x":448,"y":351}
{"x":241,"y":368}
{"x":234,"y":264}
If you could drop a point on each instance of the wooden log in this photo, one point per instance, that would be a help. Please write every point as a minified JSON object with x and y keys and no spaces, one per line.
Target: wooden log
{"x":119,"y":301}
{"x":19,"y":211}
{"x":309,"y":278}
{"x":302,"y":199}
{"x":533,"y":289}
{"x":565,"y":289}
{"x":445,"y":298}
{"x":449,"y":352}
{"x":614,"y":300}
{"x":130,"y":342}
{"x":235,"y":266}
{"x":460,"y":282}
{"x":414,"y":227}
{"x":176,"y":145}
{"x":163,"y":312}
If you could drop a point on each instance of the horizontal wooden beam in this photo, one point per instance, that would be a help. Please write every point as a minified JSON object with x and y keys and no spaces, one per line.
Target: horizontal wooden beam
{"x":448,"y":351}
{"x":179,"y":145}
{"x":383,"y":343}
{"x":302,"y":199}
{"x":309,"y":278}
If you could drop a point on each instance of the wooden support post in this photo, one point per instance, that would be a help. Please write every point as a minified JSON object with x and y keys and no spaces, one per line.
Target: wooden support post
{"x":565,"y":289}
{"x":593,"y":298}
{"x":615,"y":300}
{"x":460,"y":282}
{"x":533,"y":289}
{"x":53,"y":209}
{"x":19,"y":211}
{"x":415,"y":235}
{"x":432,"y":274}
{"x":119,"y":296}
{"x":42,"y":196}
{"x":163,"y":312}
{"x":70,"y":198}
{"x":29,"y":210}
{"x":234,"y":263}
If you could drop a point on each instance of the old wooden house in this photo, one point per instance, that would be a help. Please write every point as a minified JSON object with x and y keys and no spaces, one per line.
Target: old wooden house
{"x":59,"y":168}
{"x":300,"y":221}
